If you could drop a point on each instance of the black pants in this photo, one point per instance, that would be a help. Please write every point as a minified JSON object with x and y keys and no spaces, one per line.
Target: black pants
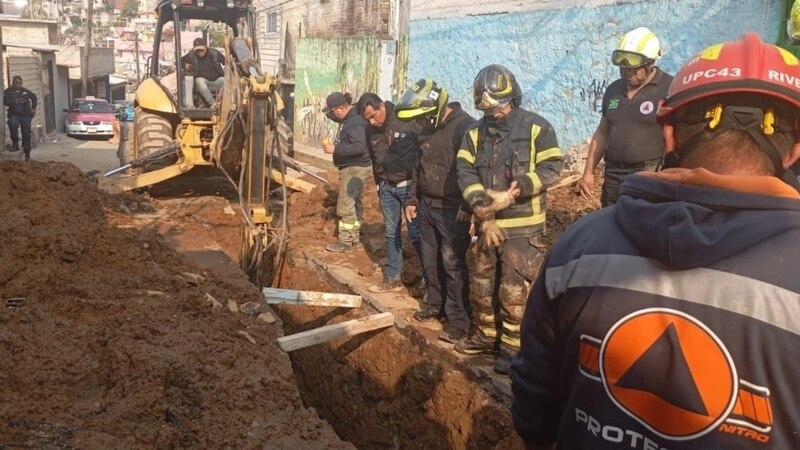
{"x":615,"y":175}
{"x":15,"y":123}
{"x":445,"y":241}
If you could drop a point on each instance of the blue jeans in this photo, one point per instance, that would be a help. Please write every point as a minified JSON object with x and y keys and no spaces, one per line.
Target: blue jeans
{"x":393,"y":203}
{"x":204,"y":88}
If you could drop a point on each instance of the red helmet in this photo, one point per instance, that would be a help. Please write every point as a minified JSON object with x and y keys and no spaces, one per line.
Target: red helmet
{"x":743,"y":85}
{"x":737,"y":67}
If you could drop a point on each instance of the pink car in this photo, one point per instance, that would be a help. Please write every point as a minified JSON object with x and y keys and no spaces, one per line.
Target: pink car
{"x":90,"y":117}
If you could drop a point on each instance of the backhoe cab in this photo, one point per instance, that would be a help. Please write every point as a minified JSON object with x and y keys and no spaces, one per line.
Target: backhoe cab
{"x":173,"y":133}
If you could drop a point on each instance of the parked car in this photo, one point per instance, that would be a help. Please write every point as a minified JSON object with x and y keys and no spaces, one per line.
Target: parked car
{"x":90,"y":117}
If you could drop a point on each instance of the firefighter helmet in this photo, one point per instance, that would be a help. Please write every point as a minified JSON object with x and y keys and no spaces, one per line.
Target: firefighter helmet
{"x":494,"y":88}
{"x":423,"y":99}
{"x":745,"y":85}
{"x":636,"y":48}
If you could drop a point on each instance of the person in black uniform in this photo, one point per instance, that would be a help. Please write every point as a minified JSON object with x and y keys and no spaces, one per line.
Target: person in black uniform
{"x":394,"y":149}
{"x":628,"y":136}
{"x":21,"y":105}
{"x":434,"y":197}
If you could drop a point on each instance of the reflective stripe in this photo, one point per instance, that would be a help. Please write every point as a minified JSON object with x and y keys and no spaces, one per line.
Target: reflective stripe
{"x":349,"y":226}
{"x":535,"y":130}
{"x":357,"y":225}
{"x":466,"y":156}
{"x":490,"y":332}
{"x":535,"y":219}
{"x":735,"y":293}
{"x":511,"y":327}
{"x":537,"y":183}
{"x":473,"y":136}
{"x":550,"y":153}
{"x":510,"y":341}
{"x":477,"y":187}
{"x":485,"y":318}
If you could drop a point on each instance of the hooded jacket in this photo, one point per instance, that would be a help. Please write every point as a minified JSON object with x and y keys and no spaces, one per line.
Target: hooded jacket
{"x":669,"y":321}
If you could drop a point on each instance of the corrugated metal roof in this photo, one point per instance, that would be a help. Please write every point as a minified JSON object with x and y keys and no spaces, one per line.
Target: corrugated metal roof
{"x":34,"y":47}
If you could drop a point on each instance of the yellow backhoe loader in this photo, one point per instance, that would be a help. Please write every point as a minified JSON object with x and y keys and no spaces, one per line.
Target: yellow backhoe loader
{"x":241,"y":133}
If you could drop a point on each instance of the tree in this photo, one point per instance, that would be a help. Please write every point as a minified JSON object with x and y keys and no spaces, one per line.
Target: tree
{"x":131,"y":9}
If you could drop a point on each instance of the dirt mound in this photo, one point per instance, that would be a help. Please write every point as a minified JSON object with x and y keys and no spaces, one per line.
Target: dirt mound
{"x":109,"y":339}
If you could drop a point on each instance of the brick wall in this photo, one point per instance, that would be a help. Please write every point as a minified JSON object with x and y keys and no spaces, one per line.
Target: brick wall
{"x":340,"y":18}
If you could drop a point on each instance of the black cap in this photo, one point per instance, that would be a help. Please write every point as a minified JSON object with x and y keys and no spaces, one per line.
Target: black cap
{"x":334,"y":100}
{"x":199,"y":42}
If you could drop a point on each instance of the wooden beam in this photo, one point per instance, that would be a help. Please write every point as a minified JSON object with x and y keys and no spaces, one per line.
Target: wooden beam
{"x":310,"y":298}
{"x":291,"y":182}
{"x":565,"y":182}
{"x":329,"y":332}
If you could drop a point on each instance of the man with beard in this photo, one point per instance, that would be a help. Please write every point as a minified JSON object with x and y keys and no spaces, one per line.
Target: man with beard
{"x":628,"y":136}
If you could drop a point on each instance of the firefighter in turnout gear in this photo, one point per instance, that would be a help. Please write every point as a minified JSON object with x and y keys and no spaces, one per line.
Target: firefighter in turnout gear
{"x":505,"y":164}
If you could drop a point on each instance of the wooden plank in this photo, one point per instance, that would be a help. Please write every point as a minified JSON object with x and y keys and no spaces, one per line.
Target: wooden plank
{"x":565,"y":182}
{"x":309,"y":298}
{"x":329,"y":332}
{"x":292,"y":182}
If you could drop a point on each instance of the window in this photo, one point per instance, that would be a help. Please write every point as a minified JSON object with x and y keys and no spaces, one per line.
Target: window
{"x":272,"y":22}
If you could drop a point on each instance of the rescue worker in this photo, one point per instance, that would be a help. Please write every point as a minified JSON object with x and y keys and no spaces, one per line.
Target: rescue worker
{"x":394,"y":149}
{"x":435,"y":200}
{"x":351,"y":157}
{"x":506,"y":162}
{"x":670,"y":320}
{"x":628,"y":136}
{"x":21,"y":104}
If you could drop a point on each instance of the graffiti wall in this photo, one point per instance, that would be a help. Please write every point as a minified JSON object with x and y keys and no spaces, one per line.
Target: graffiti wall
{"x":325,"y":65}
{"x":560,"y":51}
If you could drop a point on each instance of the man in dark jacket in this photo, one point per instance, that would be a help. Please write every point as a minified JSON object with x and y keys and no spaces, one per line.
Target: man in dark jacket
{"x":21,"y":105}
{"x":205,"y":64}
{"x":436,"y":199}
{"x":351,"y":157}
{"x":672,"y":319}
{"x":506,"y":162}
{"x":394,"y":149}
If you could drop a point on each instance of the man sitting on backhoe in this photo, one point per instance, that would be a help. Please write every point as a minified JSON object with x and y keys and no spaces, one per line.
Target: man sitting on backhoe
{"x":205,"y":64}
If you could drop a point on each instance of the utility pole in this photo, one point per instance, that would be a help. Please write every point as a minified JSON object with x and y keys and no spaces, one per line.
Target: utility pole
{"x":136,"y":47}
{"x":86,"y":49}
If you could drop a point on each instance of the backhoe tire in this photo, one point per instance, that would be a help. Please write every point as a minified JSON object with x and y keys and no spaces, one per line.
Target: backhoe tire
{"x":127,"y":148}
{"x":152,"y":132}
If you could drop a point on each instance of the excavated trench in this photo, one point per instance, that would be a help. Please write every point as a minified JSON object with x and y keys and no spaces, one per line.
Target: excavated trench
{"x":389,"y":388}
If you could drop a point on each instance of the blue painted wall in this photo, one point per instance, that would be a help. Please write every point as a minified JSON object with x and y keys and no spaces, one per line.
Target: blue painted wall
{"x":561,"y":57}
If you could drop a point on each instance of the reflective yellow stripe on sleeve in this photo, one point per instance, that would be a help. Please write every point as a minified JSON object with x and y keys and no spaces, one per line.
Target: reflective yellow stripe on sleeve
{"x":550,"y":153}
{"x":535,"y":130}
{"x":466,"y":156}
{"x":477,"y":187}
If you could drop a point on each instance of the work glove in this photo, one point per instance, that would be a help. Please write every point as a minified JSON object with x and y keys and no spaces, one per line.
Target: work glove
{"x":500,"y":199}
{"x":492,"y":235}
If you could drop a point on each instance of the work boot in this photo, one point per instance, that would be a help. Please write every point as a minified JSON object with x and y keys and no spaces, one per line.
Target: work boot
{"x":502,"y":364}
{"x":14,"y":147}
{"x":339,"y":247}
{"x":475,"y":345}
{"x":419,"y":290}
{"x":452,"y":335}
{"x":27,"y":156}
{"x":424,"y":315}
{"x":387,"y":285}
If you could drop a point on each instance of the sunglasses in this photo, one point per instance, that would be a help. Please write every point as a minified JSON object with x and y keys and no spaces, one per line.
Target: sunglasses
{"x":629,"y":60}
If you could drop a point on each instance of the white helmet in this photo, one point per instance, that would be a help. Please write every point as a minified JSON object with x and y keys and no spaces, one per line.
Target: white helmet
{"x":637,"y":48}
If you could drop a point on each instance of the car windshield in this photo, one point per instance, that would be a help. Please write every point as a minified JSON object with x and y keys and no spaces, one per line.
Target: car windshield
{"x":92,"y":106}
